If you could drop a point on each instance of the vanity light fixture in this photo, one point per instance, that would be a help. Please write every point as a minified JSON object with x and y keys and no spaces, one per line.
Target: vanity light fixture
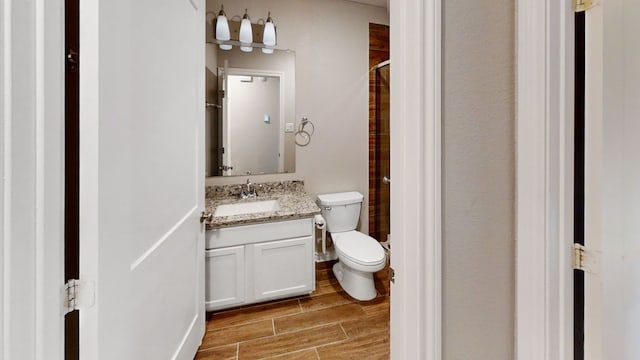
{"x":269,"y":35}
{"x":222,"y":29}
{"x":246,"y":34}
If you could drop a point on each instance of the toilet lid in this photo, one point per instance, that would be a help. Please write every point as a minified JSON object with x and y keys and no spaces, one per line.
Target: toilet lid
{"x":358,"y":247}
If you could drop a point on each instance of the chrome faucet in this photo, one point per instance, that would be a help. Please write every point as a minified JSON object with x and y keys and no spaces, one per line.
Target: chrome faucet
{"x":249,"y":192}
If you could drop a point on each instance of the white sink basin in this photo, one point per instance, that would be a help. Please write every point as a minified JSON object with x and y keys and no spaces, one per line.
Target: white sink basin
{"x":247,"y":208}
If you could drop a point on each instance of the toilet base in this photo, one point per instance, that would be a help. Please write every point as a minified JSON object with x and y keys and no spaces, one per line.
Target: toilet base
{"x":358,"y":284}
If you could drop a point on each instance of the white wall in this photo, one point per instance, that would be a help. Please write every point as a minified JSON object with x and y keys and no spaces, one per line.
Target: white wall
{"x":478,"y":179}
{"x":331,"y":41}
{"x":621,"y":182}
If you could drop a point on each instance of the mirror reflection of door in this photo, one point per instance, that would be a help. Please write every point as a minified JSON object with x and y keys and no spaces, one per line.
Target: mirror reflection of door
{"x":213,"y":138}
{"x":223,"y":153}
{"x":252,"y":115}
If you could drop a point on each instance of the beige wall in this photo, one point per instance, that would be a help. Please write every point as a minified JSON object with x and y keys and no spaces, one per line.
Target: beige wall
{"x":478,"y":179}
{"x":331,"y":41}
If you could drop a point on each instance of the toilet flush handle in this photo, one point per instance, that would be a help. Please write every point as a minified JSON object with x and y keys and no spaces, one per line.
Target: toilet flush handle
{"x":327,"y":208}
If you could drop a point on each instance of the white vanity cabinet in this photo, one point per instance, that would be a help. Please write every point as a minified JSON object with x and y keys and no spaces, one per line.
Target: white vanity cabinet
{"x":225,"y":277}
{"x":259,"y":262}
{"x":282,"y":268}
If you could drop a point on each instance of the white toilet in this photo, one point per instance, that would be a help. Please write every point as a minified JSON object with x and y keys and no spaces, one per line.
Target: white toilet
{"x":359,"y":255}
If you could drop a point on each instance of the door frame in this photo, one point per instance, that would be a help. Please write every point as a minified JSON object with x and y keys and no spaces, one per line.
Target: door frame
{"x":545,"y":175}
{"x":415,"y":48}
{"x":32,"y":72}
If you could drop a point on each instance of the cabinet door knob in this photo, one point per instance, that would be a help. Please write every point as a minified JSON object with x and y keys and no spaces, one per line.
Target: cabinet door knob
{"x":205,"y":216}
{"x":386,"y":180}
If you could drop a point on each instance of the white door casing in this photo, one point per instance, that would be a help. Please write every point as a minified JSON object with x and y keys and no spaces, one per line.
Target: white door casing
{"x":416,"y":173}
{"x":31,"y":179}
{"x":142,"y":177}
{"x":544,"y":189}
{"x":611,"y":177}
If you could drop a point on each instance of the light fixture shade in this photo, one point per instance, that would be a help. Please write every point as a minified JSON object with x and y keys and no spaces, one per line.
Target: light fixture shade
{"x":269,"y":36}
{"x":222,"y":32}
{"x":222,"y":29}
{"x":246,"y":34}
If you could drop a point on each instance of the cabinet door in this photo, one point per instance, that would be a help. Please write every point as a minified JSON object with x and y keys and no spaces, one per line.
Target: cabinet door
{"x":283,"y":267}
{"x":225,"y":285}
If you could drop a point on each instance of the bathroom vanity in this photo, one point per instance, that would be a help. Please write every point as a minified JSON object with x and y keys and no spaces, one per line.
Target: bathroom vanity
{"x":260,"y":248}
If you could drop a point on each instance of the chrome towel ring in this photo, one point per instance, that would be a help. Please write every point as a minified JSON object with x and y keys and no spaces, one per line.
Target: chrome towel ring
{"x":302,"y":136}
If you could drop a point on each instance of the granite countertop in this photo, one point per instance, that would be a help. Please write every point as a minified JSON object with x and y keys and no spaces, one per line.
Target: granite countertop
{"x":294,"y":203}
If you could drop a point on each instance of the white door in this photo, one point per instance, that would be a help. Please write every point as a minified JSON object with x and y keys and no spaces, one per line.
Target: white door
{"x":612,"y":197}
{"x":142,"y":177}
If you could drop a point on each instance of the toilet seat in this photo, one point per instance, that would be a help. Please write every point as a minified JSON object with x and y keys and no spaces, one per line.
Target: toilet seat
{"x":359,"y":251}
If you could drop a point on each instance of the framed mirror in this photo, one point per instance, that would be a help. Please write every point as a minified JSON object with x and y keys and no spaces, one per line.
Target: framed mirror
{"x":250,"y":112}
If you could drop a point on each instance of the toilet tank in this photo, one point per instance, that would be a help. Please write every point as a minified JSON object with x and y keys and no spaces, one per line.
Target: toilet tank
{"x":341,"y":211}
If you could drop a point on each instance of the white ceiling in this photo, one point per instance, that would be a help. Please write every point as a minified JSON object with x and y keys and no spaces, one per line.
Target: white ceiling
{"x":379,"y":3}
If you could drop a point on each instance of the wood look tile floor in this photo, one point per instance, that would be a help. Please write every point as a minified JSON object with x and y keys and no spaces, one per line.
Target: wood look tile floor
{"x":328,"y":324}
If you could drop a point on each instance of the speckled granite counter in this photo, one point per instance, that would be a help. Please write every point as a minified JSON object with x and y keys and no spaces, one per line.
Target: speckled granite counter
{"x":294,"y":203}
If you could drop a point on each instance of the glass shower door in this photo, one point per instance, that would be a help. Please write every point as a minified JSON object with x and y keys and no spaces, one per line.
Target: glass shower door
{"x":381,"y":226}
